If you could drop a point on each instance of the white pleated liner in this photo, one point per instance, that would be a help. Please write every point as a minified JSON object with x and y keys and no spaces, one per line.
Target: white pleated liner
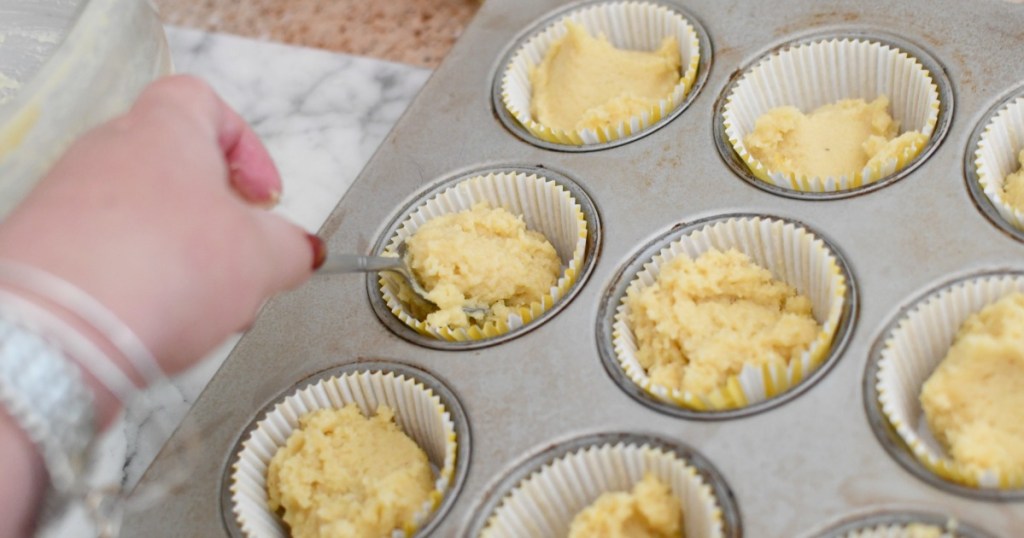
{"x":895,"y":531}
{"x":811,"y":75}
{"x":793,"y":255}
{"x":627,"y":25}
{"x":418,"y":412}
{"x":545,"y":206}
{"x":996,"y":157}
{"x":912,"y":351}
{"x":544,"y":504}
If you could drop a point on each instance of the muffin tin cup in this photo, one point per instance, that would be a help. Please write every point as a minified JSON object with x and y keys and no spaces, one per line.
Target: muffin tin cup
{"x":808,"y":74}
{"x":795,"y":256}
{"x":908,"y":354}
{"x":551,"y":489}
{"x":546,"y":206}
{"x":996,"y":155}
{"x":419,"y":411}
{"x":901,"y":524}
{"x":627,"y":25}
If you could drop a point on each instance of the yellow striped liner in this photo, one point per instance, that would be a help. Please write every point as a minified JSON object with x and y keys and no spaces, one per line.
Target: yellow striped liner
{"x":544,"y":503}
{"x":418,"y":412}
{"x":913,"y":350}
{"x":629,"y":25}
{"x":810,"y":75}
{"x":793,"y":255}
{"x":546,"y":206}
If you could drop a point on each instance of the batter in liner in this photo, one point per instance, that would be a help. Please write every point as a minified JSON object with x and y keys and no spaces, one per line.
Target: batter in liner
{"x":973,"y":400}
{"x":585,"y":82}
{"x":703,"y":320}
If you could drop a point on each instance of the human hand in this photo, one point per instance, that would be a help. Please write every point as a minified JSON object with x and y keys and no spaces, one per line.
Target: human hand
{"x":159,"y":216}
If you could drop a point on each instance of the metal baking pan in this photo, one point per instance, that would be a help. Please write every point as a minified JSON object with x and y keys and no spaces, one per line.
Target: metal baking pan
{"x":810,"y":463}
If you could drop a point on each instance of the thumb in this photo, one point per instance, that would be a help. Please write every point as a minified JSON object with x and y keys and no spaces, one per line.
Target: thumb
{"x":293,"y":255}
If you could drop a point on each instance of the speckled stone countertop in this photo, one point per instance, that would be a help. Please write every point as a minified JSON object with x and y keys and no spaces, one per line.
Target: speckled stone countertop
{"x":415,"y":32}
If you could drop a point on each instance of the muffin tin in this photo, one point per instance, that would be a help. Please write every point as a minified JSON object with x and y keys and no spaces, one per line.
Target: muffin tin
{"x":807,"y":459}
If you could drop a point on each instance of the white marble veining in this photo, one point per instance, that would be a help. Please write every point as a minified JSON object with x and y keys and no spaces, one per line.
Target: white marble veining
{"x":321,"y":115}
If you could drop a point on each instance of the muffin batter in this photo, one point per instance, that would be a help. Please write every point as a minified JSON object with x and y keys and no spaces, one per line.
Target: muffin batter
{"x":703,"y":320}
{"x":835,"y":140}
{"x":481,"y":257}
{"x":1013,"y":187}
{"x":586,"y":83}
{"x":649,"y":511}
{"x":344,"y":475}
{"x":973,"y":401}
{"x":920,"y":530}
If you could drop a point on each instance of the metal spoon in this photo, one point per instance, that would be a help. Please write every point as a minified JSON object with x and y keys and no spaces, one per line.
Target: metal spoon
{"x":355,"y":263}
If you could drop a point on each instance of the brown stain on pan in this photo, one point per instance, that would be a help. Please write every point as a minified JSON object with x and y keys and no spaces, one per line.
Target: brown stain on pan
{"x":812,"y":20}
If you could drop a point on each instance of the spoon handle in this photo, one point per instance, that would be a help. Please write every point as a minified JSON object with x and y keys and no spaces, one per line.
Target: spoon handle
{"x":354,"y":263}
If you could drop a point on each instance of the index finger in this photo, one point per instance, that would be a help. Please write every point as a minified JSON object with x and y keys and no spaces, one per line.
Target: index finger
{"x":250,"y":169}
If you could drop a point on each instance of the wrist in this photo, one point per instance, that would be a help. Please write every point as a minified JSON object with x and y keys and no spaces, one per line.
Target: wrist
{"x":78,"y":346}
{"x":24,"y":477}
{"x":43,"y":395}
{"x":114,"y":361}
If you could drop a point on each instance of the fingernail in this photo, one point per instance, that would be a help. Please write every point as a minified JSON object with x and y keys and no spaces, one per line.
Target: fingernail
{"x":319,"y":250}
{"x":272,"y":199}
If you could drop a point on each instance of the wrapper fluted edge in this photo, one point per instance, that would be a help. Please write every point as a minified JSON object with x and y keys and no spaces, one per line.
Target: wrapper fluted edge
{"x":793,"y":255}
{"x":911,"y":352}
{"x":419,"y":412}
{"x":546,"y":207}
{"x":545,"y":502}
{"x":824,"y":71}
{"x":628,"y":25}
{"x":997,"y":156}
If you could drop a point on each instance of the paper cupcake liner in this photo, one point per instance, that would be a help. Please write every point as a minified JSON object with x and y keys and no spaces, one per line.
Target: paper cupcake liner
{"x":996,"y":157}
{"x":418,"y":412}
{"x":545,"y":503}
{"x":908,"y":523}
{"x":808,"y":76}
{"x":627,"y":25}
{"x":793,"y":255}
{"x":911,"y":530}
{"x":545,"y":206}
{"x":912,"y":351}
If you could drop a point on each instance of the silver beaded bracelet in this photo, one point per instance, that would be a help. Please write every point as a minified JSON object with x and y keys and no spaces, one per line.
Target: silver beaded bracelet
{"x":45,"y":395}
{"x":88,"y":310}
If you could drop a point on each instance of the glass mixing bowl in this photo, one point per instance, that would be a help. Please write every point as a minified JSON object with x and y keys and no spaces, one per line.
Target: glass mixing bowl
{"x":65,"y":66}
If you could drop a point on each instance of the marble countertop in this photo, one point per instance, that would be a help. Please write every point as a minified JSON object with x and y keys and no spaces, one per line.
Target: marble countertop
{"x":322,"y":115}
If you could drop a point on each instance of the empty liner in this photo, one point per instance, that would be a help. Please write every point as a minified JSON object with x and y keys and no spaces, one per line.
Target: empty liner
{"x":997,"y":156}
{"x":912,"y":351}
{"x":545,"y":206}
{"x":418,"y":412}
{"x":627,"y":25}
{"x":545,"y":503}
{"x":793,"y":255}
{"x":810,"y":75}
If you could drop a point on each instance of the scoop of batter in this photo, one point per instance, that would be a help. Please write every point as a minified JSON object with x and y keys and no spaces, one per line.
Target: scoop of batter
{"x":703,"y":320}
{"x":341,"y":474}
{"x":586,"y":83}
{"x":649,"y":511}
{"x":974,"y":401}
{"x":835,"y":140}
{"x":481,"y":257}
{"x":1013,"y":187}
